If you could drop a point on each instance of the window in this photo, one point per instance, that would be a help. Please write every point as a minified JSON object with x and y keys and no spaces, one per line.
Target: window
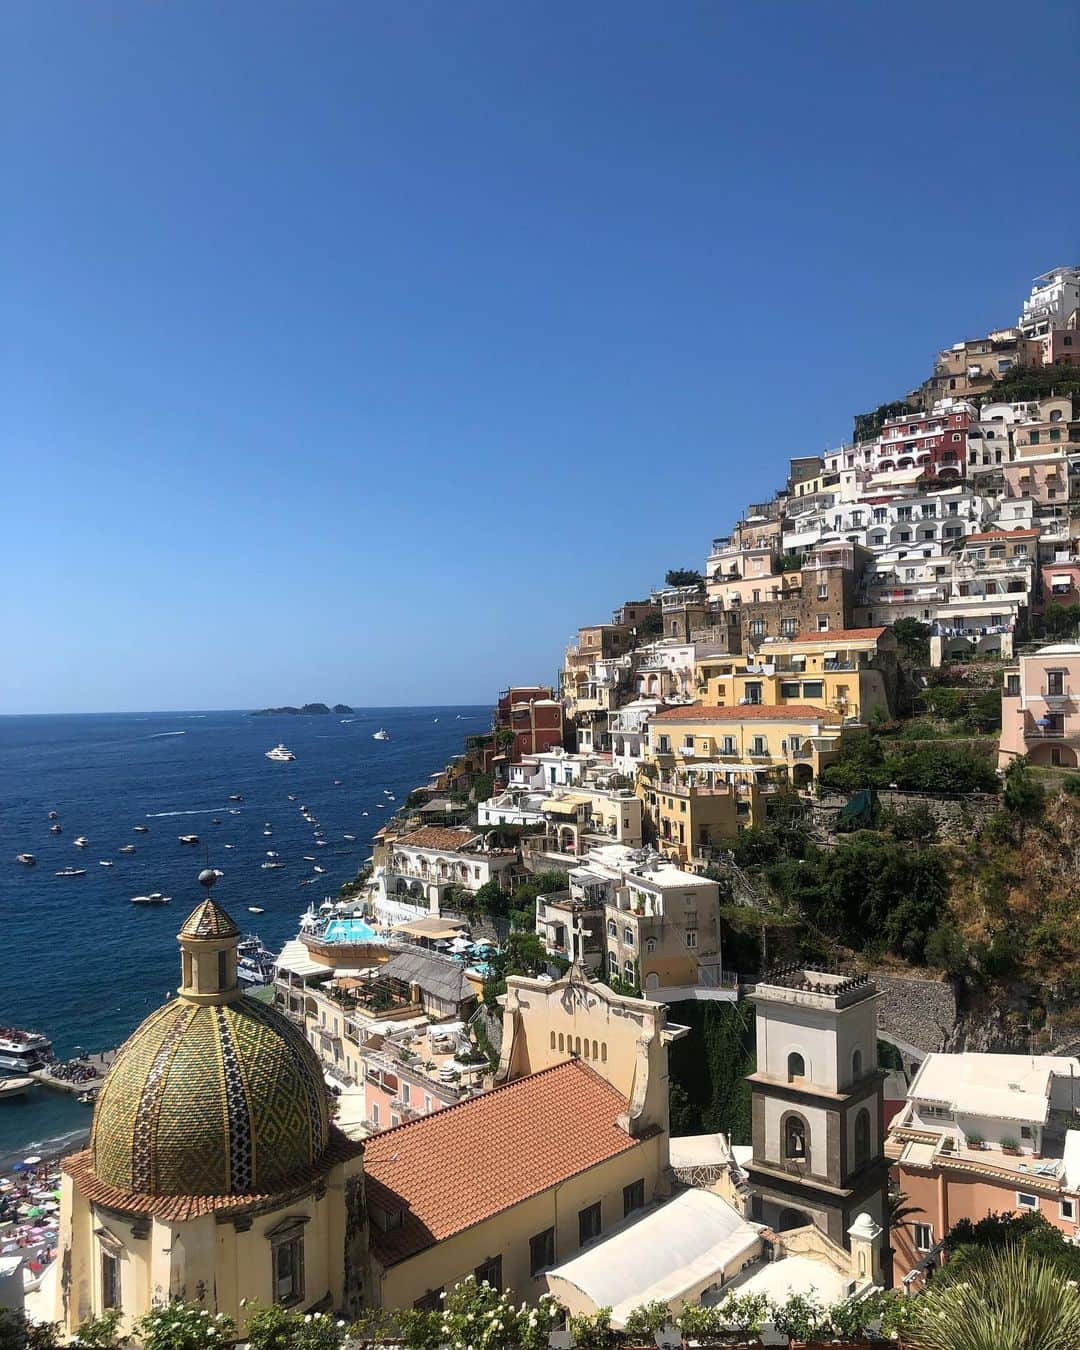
{"x":588,"y":1223}
{"x":924,"y":1236}
{"x":1055,"y":683}
{"x":862,"y":1137}
{"x":1068,"y":1210}
{"x":222,"y":969}
{"x":613,"y":963}
{"x":430,"y":1302}
{"x":796,"y":1066}
{"x":823,"y":623}
{"x":110,"y":1279}
{"x":856,"y":1065}
{"x":650,"y":945}
{"x":789,"y":689}
{"x":757,"y":627}
{"x":813,"y":689}
{"x":823,"y":590}
{"x":1026,"y":1201}
{"x":628,"y":972}
{"x":612,"y":928}
{"x":628,"y":936}
{"x":374,"y":1113}
{"x":691,"y":937}
{"x":758,"y":746}
{"x":795,"y":1138}
{"x":287,"y":1245}
{"x":541,"y":1251}
{"x":729,"y":745}
{"x":491,"y":1271}
{"x":633,"y":1196}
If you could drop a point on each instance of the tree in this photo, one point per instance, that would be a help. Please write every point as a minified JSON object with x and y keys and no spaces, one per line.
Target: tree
{"x":913,"y":640}
{"x":1008,"y":1297}
{"x":900,"y":1211}
{"x":967,"y":1243}
{"x":685,"y":576}
{"x":492,"y":899}
{"x":1024,"y":797}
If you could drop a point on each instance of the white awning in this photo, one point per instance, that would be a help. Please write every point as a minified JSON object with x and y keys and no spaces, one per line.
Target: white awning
{"x":294,"y":958}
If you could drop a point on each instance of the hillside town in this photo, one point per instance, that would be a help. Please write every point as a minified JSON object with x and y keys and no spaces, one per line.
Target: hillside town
{"x":721,"y":992}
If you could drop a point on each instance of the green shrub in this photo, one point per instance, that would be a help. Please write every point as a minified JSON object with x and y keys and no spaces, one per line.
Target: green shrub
{"x":183,"y":1326}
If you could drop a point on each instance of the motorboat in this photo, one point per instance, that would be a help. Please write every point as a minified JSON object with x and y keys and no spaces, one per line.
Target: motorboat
{"x":321,"y":843}
{"x":254,"y":962}
{"x":280,"y":754}
{"x":126,"y":848}
{"x":81,"y":841}
{"x":141,"y":829}
{"x":236,"y":796}
{"x":381,"y":735}
{"x":71,"y":872}
{"x":154,"y":898}
{"x":56,"y":829}
{"x":270,"y":853}
{"x":268,"y":832}
{"x":105,"y":862}
{"x":271,"y":866}
{"x":54,"y":815}
{"x":230,"y":845}
{"x":234,"y":810}
{"x":350,"y":837}
{"x":317,"y":868}
{"x":309,"y":857}
{"x":292,"y":796}
{"x":14,"y":1087}
{"x":22,"y":1050}
{"x":188,"y":838}
{"x":216,"y":820}
{"x":27,"y":859}
{"x":337,"y":782}
{"x":255,"y":909}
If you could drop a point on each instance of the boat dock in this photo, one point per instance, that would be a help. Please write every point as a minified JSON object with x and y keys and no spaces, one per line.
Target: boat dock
{"x":77,"y":1075}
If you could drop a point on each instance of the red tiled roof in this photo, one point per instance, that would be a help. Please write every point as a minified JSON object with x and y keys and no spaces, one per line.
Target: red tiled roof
{"x":447,"y":839}
{"x":468,"y":1162}
{"x":834,"y":635}
{"x":745,"y":712}
{"x":999,"y":534}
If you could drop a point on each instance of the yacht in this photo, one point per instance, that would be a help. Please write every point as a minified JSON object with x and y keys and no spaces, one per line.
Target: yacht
{"x":317,"y":868}
{"x":254,"y":963}
{"x":22,"y":1050}
{"x":82,"y":841}
{"x":27,"y":859}
{"x":71,"y":872}
{"x":280,"y":754}
{"x":188,"y":838}
{"x":54,"y":815}
{"x":154,"y":898}
{"x":56,"y":829}
{"x":236,"y":796}
{"x":126,"y":848}
{"x":381,"y":735}
{"x":270,"y":866}
{"x":14,"y":1087}
{"x":255,"y":909}
{"x":141,"y":829}
{"x":105,"y":862}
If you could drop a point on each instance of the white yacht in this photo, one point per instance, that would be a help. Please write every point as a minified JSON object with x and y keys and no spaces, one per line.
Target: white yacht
{"x":22,"y":1050}
{"x":188,"y":838}
{"x":281,"y":754}
{"x":381,"y":735}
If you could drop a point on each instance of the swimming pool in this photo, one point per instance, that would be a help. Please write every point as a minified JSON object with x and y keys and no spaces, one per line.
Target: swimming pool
{"x":350,"y":930}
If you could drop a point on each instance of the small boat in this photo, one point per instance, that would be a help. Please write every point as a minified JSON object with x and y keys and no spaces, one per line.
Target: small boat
{"x":271,"y":866}
{"x":105,"y":862}
{"x":126,"y":848}
{"x":188,"y":838}
{"x":71,"y":872}
{"x":141,"y":829}
{"x":216,"y":820}
{"x":54,"y":815}
{"x":280,"y":754}
{"x":255,"y":909}
{"x":350,"y":837}
{"x":337,"y":782}
{"x":236,"y":796}
{"x":317,"y":868}
{"x":309,"y":857}
{"x":292,"y":796}
{"x":27,"y":859}
{"x":230,"y":845}
{"x":363,"y":813}
{"x":56,"y":829}
{"x":154,"y":898}
{"x":346,"y":720}
{"x":234,"y":810}
{"x":381,"y":735}
{"x":268,"y":831}
{"x":81,"y":841}
{"x":86,"y":1098}
{"x":321,"y":843}
{"x":14,"y":1087}
{"x":270,"y":853}
{"x":434,"y":719}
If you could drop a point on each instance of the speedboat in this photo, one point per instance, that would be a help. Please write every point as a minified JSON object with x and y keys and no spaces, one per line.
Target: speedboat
{"x":54,"y":815}
{"x":321,"y":843}
{"x":188,"y":838}
{"x":349,"y":837}
{"x":270,"y":853}
{"x":280,"y":754}
{"x":105,"y":862}
{"x":434,"y":719}
{"x":363,"y":813}
{"x":141,"y":829}
{"x":229,"y":846}
{"x":270,"y":866}
{"x":14,"y":1087}
{"x":309,"y":857}
{"x":268,"y":831}
{"x":71,"y":872}
{"x":27,"y":859}
{"x":292,"y":796}
{"x":337,"y":782}
{"x":126,"y":848}
{"x":56,"y":829}
{"x":317,"y":868}
{"x":236,"y":796}
{"x":381,"y":735}
{"x":234,"y":810}
{"x":346,"y":720}
{"x":81,"y":841}
{"x":23,"y":1050}
{"x":216,"y":820}
{"x":154,"y":898}
{"x":255,"y":909}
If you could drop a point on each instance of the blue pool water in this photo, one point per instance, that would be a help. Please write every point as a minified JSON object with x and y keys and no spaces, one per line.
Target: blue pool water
{"x":350,"y":930}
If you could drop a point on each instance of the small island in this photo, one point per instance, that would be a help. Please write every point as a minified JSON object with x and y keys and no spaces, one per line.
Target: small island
{"x":308,"y":710}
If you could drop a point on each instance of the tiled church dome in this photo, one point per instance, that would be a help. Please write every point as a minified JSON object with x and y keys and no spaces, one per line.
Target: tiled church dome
{"x":214,"y":1094}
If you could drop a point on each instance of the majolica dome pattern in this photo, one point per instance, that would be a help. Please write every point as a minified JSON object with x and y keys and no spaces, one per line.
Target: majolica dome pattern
{"x":223,"y":1098}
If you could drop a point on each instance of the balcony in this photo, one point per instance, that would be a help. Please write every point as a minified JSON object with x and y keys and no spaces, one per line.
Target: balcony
{"x":1044,"y":733}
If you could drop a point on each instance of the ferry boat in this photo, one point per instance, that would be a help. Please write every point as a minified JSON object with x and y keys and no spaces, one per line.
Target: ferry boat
{"x":254,"y":963}
{"x":281,"y":754}
{"x":23,"y":1050}
{"x":381,"y":735}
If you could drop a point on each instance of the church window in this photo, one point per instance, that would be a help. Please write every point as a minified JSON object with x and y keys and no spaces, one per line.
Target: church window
{"x":856,"y":1065}
{"x":222,"y":969}
{"x":795,"y":1138}
{"x":862,"y":1137}
{"x":288,"y":1255}
{"x":796,"y":1066}
{"x":110,"y":1280}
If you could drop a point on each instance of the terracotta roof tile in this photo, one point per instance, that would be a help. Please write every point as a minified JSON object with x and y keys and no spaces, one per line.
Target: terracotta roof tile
{"x":459,"y":1166}
{"x":209,"y":920}
{"x":746,"y":712}
{"x":448,"y":839}
{"x":835,"y":635}
{"x":999,"y":534}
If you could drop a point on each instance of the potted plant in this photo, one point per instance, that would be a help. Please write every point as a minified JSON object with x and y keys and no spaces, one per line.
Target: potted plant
{"x":1009,"y":1145}
{"x":642,"y":1324}
{"x":734,"y":1323}
{"x":975,"y":1140}
{"x":592,"y":1331}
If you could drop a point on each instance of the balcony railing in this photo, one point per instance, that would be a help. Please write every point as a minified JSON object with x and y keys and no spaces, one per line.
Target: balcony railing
{"x":1044,"y":733}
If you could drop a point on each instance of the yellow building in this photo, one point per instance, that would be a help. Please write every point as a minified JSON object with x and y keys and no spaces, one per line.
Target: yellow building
{"x":572,"y":1139}
{"x":213,"y":1173}
{"x":850,"y":672}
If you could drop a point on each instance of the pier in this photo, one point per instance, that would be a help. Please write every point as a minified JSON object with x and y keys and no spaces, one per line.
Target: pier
{"x":70,"y":1077}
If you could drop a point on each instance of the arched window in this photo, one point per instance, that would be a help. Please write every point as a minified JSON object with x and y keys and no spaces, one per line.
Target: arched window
{"x":553,"y":1040}
{"x":562,"y":1045}
{"x":856,"y":1065}
{"x":603,"y":1052}
{"x":650,"y":945}
{"x":862,"y":1137}
{"x":795,"y":1141}
{"x":796,"y":1066}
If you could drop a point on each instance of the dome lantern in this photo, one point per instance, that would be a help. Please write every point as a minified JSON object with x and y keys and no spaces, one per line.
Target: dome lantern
{"x":208,"y":946}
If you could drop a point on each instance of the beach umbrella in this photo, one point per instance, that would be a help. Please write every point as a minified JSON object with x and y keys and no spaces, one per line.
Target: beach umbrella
{"x":31,"y":1162}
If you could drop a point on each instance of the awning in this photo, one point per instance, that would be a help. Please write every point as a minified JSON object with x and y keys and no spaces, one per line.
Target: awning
{"x":430,"y":928}
{"x":565,"y":806}
{"x":295,"y":959}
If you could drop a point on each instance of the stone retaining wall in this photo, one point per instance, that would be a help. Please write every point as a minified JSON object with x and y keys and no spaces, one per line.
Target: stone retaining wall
{"x":920,"y":1012}
{"x":955,"y":816}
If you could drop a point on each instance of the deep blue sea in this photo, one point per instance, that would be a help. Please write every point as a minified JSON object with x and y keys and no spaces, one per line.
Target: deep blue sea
{"x":78,"y":961}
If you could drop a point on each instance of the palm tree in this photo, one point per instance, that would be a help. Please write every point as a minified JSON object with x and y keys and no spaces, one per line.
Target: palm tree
{"x":900,"y":1211}
{"x":1009,"y":1299}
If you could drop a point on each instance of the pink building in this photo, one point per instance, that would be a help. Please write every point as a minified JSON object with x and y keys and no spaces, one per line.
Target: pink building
{"x":1061,"y":583}
{"x":1040,"y":708}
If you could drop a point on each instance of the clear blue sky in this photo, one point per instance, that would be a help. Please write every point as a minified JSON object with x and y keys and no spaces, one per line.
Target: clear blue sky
{"x":363,"y":351}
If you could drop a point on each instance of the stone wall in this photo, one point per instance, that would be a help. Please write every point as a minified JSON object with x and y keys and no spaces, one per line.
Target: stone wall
{"x":918,"y":1012}
{"x":956,"y":816}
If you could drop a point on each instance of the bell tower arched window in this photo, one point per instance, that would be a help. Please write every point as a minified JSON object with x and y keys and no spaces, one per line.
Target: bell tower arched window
{"x":856,"y":1065}
{"x":862,"y":1138}
{"x":796,"y":1066}
{"x":795,"y":1141}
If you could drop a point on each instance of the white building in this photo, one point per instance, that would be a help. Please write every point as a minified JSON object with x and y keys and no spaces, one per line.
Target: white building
{"x":629,"y":732}
{"x":423,"y":864}
{"x":1054,"y":297}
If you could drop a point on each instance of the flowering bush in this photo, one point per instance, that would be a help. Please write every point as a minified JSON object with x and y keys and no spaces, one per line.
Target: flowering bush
{"x":480,"y":1317}
{"x":101,"y":1333}
{"x":278,"y":1328}
{"x":183,"y":1326}
{"x":738,"y":1315}
{"x":592,"y":1333}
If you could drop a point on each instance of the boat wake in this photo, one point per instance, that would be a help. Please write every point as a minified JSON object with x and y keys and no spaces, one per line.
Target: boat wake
{"x":159,"y":815}
{"x":158,"y":735}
